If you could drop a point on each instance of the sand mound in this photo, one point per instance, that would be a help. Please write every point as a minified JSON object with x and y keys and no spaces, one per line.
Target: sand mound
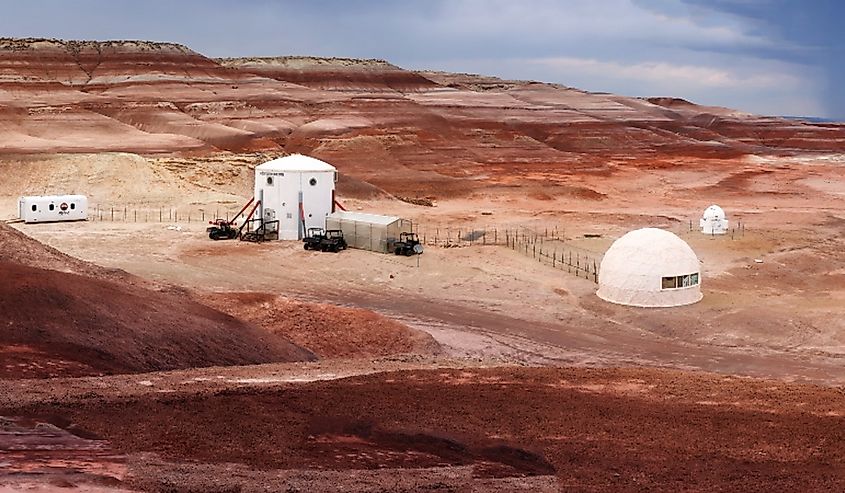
{"x":328,"y":331}
{"x":71,"y":324}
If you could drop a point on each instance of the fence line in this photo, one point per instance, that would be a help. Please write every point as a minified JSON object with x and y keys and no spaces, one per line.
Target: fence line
{"x":158,"y":214}
{"x":546,"y":243}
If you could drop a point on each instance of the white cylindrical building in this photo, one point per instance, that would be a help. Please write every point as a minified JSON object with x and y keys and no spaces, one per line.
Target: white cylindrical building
{"x":296,"y":190}
{"x":713,"y":221}
{"x":650,"y":267}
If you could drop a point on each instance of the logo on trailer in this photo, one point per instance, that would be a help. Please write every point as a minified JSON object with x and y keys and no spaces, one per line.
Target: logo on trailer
{"x":63,"y":208}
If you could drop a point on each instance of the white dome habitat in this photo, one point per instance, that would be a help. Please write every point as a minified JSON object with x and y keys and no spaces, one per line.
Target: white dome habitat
{"x":713,"y":221}
{"x":650,"y":267}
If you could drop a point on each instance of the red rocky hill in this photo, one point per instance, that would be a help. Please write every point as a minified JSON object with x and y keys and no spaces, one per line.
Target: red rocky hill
{"x":434,"y":131}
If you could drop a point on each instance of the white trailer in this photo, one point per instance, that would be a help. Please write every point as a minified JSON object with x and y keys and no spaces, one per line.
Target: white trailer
{"x":296,"y":190}
{"x":52,"y":208}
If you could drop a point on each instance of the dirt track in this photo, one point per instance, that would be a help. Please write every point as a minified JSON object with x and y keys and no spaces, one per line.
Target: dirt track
{"x":490,"y":302}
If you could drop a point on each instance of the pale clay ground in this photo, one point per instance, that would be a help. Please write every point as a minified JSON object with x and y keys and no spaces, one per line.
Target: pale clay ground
{"x":490,"y":302}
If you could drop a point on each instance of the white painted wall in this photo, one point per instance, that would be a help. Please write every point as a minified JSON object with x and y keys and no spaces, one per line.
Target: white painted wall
{"x":52,"y":208}
{"x":281,"y":192}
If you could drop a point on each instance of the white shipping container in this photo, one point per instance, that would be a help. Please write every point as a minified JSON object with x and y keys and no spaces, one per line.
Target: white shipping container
{"x":51,"y":208}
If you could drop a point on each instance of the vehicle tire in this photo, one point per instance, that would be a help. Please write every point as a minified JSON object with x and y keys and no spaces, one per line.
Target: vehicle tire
{"x":305,"y":246}
{"x":398,"y":251}
{"x":408,"y":252}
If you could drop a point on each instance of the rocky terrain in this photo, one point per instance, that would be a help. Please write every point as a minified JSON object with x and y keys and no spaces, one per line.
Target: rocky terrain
{"x":137,"y":355}
{"x":447,"y":134}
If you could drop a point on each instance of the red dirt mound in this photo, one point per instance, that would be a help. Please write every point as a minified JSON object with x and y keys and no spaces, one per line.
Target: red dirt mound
{"x":61,"y":324}
{"x":20,"y":248}
{"x":328,"y":331}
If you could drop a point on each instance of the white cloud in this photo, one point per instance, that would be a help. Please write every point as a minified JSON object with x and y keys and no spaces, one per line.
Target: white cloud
{"x":587,"y":21}
{"x":666,"y":73}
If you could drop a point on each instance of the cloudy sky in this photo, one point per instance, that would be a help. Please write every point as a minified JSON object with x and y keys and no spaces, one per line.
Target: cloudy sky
{"x":781,"y":57}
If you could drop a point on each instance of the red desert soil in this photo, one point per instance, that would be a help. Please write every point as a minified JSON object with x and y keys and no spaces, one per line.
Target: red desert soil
{"x":595,"y":430}
{"x":66,"y":317}
{"x":72,"y":324}
{"x":326,"y":330}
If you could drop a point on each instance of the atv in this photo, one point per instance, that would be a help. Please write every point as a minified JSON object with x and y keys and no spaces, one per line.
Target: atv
{"x":222,"y":229}
{"x":333,"y":241}
{"x":408,"y":244}
{"x":314,"y":239}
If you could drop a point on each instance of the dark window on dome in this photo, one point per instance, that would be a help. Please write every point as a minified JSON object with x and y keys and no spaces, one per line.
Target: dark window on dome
{"x":685,"y":281}
{"x":72,"y":206}
{"x":34,"y":207}
{"x":52,"y":207}
{"x":269,"y":180}
{"x":312,"y":181}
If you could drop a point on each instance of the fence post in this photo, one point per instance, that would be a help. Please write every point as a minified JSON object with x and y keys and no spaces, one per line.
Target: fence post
{"x":136,"y":215}
{"x":112,"y":213}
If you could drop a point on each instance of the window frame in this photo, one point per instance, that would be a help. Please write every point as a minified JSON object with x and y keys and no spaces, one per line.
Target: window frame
{"x":682,"y":281}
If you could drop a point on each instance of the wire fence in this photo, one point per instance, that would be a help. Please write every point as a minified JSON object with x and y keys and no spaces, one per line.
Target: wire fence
{"x":734,"y":232}
{"x":160,"y":214}
{"x":548,"y":245}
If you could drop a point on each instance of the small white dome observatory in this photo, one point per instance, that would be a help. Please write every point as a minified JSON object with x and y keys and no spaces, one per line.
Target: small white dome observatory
{"x":713,"y":221}
{"x":650,"y":267}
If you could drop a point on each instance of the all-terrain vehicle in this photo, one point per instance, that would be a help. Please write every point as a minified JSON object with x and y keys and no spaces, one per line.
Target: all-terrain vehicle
{"x":313,"y":240}
{"x":408,"y":244}
{"x":333,"y":241}
{"x":222,"y":229}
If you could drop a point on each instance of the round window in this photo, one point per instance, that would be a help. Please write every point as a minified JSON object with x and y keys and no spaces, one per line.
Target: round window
{"x":312,"y":181}
{"x":269,"y":180}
